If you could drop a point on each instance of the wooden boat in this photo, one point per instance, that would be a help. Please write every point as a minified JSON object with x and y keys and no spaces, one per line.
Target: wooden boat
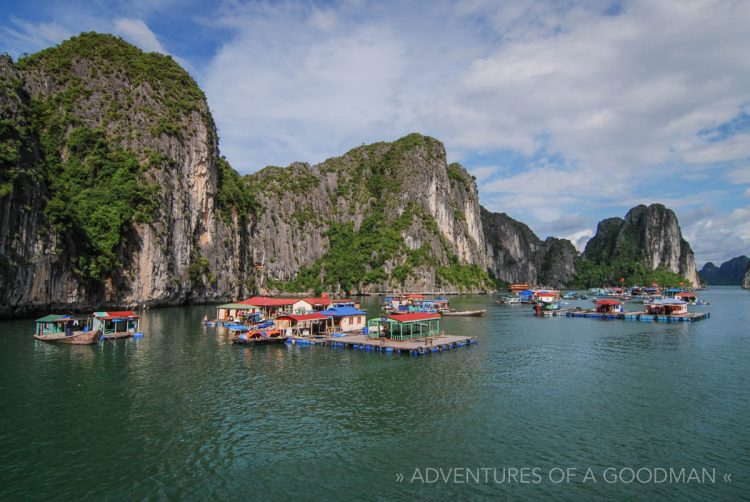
{"x":258,"y":337}
{"x":115,"y":325}
{"x":75,"y":338}
{"x":466,"y":313}
{"x":56,"y":328}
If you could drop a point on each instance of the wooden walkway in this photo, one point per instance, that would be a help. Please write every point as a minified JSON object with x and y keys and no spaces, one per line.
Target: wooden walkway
{"x":414,"y":347}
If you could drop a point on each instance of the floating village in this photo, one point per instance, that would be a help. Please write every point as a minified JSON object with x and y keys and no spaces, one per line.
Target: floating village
{"x":409,"y":323}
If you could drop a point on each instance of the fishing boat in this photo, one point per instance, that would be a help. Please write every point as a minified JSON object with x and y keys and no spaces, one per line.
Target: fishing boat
{"x":466,"y":313}
{"x":55,"y":328}
{"x":116,"y":324}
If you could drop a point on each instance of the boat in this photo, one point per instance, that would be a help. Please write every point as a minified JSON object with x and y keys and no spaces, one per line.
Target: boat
{"x":466,"y":313}
{"x":258,"y":337}
{"x":509,"y":300}
{"x":115,"y":325}
{"x":542,"y":306}
{"x":55,"y":328}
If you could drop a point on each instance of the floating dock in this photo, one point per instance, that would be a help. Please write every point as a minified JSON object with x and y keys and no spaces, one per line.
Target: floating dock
{"x":631,"y":316}
{"x":413,"y":347}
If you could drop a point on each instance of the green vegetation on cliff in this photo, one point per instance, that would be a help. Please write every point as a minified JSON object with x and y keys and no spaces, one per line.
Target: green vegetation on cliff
{"x":96,"y":193}
{"x":90,"y":61}
{"x":590,"y":274}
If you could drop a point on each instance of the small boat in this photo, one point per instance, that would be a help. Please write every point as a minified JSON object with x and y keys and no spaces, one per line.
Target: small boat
{"x":466,"y":313}
{"x":258,"y":337}
{"x":56,"y":328}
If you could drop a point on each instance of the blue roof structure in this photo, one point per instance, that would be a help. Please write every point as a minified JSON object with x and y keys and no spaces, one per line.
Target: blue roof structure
{"x":342,"y":312}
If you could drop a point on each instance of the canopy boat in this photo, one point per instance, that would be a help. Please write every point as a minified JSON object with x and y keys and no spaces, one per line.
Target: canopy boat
{"x":466,"y":313}
{"x":72,"y":330}
{"x":118,"y":324}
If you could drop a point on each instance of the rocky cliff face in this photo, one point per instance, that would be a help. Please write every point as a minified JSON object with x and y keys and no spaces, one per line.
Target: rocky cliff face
{"x":649,"y":236}
{"x":114,"y":200}
{"x":113,"y":193}
{"x":516,"y":254}
{"x":382,"y":217}
{"x":746,"y":280}
{"x":730,"y":273}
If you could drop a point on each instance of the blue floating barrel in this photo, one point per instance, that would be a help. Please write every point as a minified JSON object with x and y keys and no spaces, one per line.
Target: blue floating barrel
{"x":389,"y":349}
{"x":243,"y":337}
{"x":137,"y":334}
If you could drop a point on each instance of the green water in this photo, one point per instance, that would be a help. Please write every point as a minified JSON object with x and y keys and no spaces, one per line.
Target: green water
{"x":184,"y":414}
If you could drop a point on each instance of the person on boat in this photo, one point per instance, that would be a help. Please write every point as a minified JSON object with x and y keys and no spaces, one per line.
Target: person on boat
{"x":538,"y":309}
{"x":205,"y":318}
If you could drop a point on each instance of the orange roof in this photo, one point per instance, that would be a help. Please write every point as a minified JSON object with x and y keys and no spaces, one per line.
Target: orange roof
{"x":267,"y":301}
{"x":323,"y":300}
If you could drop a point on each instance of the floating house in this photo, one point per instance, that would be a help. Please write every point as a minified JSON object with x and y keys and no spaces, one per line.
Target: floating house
{"x":117,"y":324}
{"x":346,"y":319}
{"x":666,"y":306}
{"x":404,"y":326}
{"x":272,"y":307}
{"x":686,"y":296}
{"x":608,"y":306}
{"x":546,"y":295}
{"x":517,"y":288}
{"x":304,"y":324}
{"x":345,"y":302}
{"x":315,"y":304}
{"x":54,"y":324}
{"x":235,"y":311}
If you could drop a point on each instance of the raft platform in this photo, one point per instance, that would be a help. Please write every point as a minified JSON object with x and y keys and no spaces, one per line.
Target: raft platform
{"x":636,"y":316}
{"x":413,"y":347}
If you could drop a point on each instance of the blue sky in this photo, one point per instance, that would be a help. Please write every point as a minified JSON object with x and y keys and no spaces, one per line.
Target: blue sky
{"x":566,"y":112}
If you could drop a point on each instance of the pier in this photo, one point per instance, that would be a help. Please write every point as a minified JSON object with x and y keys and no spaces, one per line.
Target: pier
{"x":631,"y":316}
{"x":413,"y":347}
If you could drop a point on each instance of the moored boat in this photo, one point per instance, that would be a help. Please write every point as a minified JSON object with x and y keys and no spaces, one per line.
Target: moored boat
{"x":55,"y":328}
{"x":116,"y":324}
{"x":466,"y":313}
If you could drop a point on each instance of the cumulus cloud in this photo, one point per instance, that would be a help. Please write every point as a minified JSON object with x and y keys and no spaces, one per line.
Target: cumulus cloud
{"x":720,"y":237}
{"x":138,"y":33}
{"x":33,"y":36}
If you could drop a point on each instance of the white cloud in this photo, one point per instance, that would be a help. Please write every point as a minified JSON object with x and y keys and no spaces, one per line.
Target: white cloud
{"x":719,"y":237}
{"x":580,"y":238}
{"x":34,"y":36}
{"x":483,"y":172}
{"x":138,"y":33}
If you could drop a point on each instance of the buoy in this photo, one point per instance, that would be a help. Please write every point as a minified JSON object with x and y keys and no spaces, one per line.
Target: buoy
{"x":243,"y":336}
{"x":421,"y":350}
{"x":389,"y":349}
{"x":138,"y":334}
{"x":414,"y":352}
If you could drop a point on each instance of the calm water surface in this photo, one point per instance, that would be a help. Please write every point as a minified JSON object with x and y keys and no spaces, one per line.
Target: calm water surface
{"x":185,"y":414}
